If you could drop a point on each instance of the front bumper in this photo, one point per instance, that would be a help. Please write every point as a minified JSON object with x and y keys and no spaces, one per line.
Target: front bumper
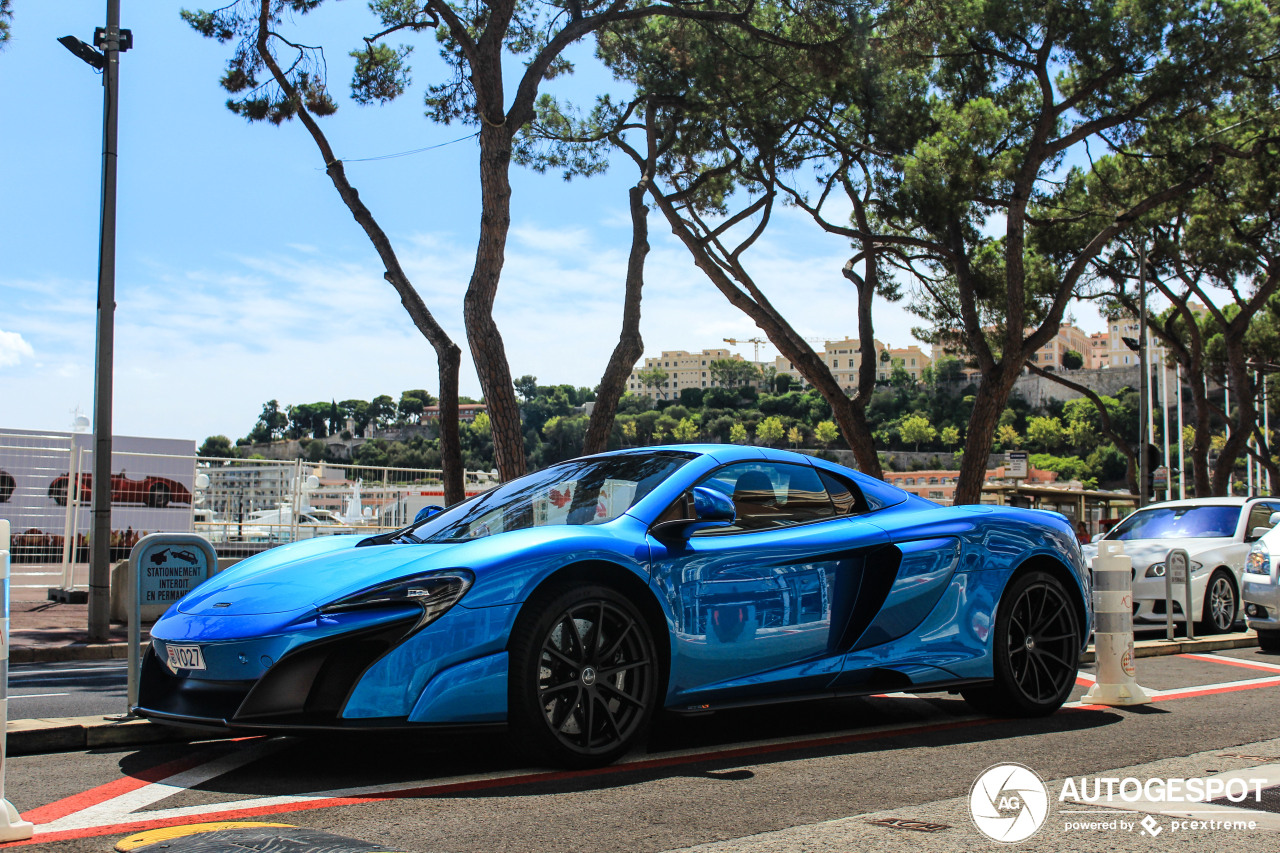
{"x":306,"y":688}
{"x":1263,"y":598}
{"x":374,"y":674}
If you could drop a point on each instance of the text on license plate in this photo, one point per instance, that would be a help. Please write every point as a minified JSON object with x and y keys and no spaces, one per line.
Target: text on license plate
{"x":185,"y":657}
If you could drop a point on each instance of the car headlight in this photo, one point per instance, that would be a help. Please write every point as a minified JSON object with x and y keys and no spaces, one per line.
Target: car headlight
{"x":1258,"y":562}
{"x":434,"y":592}
{"x":1156,"y":570}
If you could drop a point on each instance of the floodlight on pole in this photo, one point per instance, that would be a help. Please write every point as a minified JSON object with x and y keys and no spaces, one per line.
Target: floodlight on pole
{"x":110,"y":41}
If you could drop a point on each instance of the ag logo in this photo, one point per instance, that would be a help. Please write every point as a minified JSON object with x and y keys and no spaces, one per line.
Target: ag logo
{"x":1009,"y":803}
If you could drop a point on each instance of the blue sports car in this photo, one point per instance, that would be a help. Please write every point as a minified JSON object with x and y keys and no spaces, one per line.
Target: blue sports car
{"x":571,"y":604}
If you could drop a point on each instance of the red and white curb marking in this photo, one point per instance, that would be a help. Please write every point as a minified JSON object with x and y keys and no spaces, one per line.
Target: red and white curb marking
{"x":113,"y":808}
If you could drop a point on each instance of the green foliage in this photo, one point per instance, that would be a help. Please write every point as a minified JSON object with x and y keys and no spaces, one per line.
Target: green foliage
{"x":733,"y":372}
{"x":380,"y":75}
{"x":915,"y":429}
{"x":257,"y":96}
{"x":738,"y":434}
{"x":6,"y":15}
{"x":217,"y":446}
{"x":1066,"y":467}
{"x":686,"y":431}
{"x":1072,"y":360}
{"x":770,"y":431}
{"x":826,"y":432}
{"x":1045,"y":433}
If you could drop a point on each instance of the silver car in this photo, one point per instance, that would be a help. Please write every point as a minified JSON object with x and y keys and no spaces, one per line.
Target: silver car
{"x":1262,"y":590}
{"x":1216,"y":533}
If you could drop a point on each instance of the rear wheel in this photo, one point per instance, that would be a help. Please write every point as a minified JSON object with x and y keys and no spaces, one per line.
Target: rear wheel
{"x":584,"y":676}
{"x":159,"y":495}
{"x":1269,"y":641}
{"x":1221,"y":604}
{"x":58,"y":491}
{"x":1036,"y":650}
{"x":7,"y":486}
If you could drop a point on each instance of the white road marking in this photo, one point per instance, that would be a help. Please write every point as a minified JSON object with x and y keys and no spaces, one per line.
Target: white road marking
{"x":36,"y":695}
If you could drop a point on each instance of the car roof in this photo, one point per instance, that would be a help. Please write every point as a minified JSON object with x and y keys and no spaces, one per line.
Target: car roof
{"x":1233,"y":501}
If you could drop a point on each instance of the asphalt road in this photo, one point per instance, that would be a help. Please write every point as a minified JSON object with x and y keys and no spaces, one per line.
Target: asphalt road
{"x":718,"y":778}
{"x":67,"y":689}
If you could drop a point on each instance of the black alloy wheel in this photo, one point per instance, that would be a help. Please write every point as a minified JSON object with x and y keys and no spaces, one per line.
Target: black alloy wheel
{"x":159,"y":495}
{"x":1035,"y":650}
{"x":584,"y":676}
{"x":1221,"y":604}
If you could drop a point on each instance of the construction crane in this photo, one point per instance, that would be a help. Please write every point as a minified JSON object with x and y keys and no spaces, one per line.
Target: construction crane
{"x":756,"y":342}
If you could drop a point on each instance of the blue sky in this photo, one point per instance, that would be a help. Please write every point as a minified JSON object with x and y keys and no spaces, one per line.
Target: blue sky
{"x":241,"y":276}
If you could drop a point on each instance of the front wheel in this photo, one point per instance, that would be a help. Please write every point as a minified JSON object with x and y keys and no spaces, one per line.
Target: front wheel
{"x":1036,"y":650}
{"x":1221,"y":605}
{"x":158,"y":496}
{"x":584,"y":676}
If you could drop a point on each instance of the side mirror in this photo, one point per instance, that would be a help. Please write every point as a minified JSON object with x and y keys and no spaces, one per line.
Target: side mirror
{"x":1275,"y":519}
{"x":426,"y":512}
{"x":710,"y":509}
{"x":1257,"y":533}
{"x":1097,"y":537}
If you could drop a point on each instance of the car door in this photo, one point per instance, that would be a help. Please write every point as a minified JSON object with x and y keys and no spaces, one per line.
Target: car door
{"x":763,"y":604}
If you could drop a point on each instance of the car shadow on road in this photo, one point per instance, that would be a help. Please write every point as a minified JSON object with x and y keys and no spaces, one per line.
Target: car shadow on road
{"x":713,"y":747}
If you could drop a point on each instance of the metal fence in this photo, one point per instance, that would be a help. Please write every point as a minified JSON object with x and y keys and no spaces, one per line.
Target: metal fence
{"x":159,"y":485}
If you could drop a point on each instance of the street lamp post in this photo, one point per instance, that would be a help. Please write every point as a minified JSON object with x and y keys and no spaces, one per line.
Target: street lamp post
{"x":111,"y":41}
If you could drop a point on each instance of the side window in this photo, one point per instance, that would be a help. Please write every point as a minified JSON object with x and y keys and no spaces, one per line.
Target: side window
{"x":845,"y":495}
{"x":1259,"y":516}
{"x":768,"y":495}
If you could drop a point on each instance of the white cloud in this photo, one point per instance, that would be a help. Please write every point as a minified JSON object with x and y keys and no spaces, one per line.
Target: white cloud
{"x":13,"y":349}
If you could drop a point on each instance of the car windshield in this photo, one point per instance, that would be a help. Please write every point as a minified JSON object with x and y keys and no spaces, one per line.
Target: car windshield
{"x":583,"y":491}
{"x":1179,"y":522}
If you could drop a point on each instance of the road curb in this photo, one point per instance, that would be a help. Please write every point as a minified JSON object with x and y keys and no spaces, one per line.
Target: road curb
{"x":69,"y":734}
{"x":72,"y":651}
{"x":1160,"y":648}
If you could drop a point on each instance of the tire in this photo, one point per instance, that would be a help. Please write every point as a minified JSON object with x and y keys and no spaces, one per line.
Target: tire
{"x":7,"y":486}
{"x":1035,"y":650}
{"x":1221,"y":605}
{"x":158,"y":496}
{"x":58,"y":491}
{"x":1269,"y":641}
{"x":579,"y":696}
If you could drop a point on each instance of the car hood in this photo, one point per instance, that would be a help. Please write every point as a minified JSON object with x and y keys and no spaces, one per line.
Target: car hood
{"x":1144,"y":552}
{"x":305,"y":575}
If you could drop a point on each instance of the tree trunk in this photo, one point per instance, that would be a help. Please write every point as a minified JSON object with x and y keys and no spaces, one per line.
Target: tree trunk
{"x":448,"y":356}
{"x":993,"y":394}
{"x":630,"y":345}
{"x":487,"y":350}
{"x":850,"y":419}
{"x":1242,"y":392}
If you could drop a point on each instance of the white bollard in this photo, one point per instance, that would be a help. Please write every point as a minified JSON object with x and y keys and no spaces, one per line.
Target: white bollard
{"x":1113,"y":629}
{"x":12,"y":826}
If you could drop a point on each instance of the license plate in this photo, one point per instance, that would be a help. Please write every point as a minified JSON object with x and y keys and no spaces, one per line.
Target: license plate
{"x":185,"y":657}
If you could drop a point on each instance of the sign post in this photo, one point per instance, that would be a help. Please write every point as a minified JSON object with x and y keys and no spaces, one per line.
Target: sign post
{"x":163,"y":567}
{"x":12,"y":826}
{"x":1016,"y":460}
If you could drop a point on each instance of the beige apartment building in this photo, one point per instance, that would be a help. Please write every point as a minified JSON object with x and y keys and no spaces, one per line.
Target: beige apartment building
{"x":683,"y":369}
{"x":843,"y":360}
{"x":693,"y":369}
{"x":1069,"y":338}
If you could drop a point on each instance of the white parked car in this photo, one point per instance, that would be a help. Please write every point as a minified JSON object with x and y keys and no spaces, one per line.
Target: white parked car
{"x":1216,"y":533}
{"x":1262,"y":589}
